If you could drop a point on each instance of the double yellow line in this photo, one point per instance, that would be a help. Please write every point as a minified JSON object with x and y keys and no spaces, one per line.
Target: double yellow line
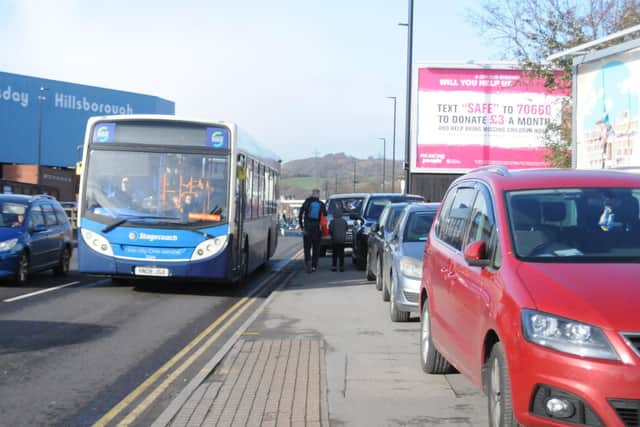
{"x":232,"y":313}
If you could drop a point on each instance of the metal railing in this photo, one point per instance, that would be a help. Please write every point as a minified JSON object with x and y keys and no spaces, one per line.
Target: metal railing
{"x":501,"y":170}
{"x":72,"y":214}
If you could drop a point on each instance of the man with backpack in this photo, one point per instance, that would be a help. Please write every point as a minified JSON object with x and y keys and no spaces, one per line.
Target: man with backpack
{"x":309,"y":218}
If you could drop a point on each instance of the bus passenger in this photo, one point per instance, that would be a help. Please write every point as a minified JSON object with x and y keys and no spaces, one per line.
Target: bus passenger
{"x":188,"y":206}
{"x":201,"y":195}
{"x":124,"y":193}
{"x":218,"y":202}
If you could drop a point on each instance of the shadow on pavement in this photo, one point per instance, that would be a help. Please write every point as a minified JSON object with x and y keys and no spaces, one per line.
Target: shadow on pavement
{"x":201,"y":287}
{"x":42,"y":279}
{"x":17,"y":336}
{"x":323,"y":277}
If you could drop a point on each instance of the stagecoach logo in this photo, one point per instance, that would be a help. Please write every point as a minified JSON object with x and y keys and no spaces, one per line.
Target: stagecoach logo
{"x":217,"y":137}
{"x":153,"y":237}
{"x":104,"y":132}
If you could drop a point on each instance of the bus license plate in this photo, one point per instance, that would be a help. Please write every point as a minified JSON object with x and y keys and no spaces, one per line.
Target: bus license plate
{"x":151,"y":271}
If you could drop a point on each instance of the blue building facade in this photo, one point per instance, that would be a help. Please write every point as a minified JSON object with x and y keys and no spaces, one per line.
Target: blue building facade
{"x":43,"y":121}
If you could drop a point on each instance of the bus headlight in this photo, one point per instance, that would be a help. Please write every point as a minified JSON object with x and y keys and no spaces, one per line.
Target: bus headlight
{"x":97,"y":242}
{"x":209,"y":248}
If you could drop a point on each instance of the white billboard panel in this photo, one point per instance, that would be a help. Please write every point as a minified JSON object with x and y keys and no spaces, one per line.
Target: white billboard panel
{"x":607,"y":116}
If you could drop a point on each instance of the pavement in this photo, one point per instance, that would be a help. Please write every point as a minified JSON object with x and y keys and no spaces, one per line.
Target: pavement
{"x":323,"y":352}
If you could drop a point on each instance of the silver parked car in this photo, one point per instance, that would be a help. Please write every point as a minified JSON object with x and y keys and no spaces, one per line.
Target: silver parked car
{"x":379,"y":236}
{"x":402,"y":266}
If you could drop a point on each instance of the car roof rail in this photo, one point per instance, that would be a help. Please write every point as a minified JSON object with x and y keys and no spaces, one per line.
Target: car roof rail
{"x":43,"y":196}
{"x":501,"y":170}
{"x":625,"y":168}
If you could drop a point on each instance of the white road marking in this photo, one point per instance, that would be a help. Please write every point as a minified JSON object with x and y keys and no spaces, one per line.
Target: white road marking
{"x":39,"y":292}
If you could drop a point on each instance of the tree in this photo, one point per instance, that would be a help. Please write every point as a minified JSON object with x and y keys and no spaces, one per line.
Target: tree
{"x":532,"y":30}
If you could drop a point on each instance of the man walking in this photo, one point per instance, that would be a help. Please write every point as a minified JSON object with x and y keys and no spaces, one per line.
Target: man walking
{"x":309,"y":220}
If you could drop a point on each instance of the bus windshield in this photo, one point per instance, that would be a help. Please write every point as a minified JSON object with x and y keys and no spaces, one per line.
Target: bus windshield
{"x":156,"y":188}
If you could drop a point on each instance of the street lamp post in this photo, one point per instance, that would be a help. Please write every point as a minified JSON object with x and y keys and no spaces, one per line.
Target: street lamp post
{"x":41,"y":99}
{"x":407,"y":131}
{"x":384,"y":160}
{"x":393,"y":151}
{"x":354,"y":175}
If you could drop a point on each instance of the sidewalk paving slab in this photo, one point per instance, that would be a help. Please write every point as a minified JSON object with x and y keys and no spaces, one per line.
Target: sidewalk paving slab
{"x":325,"y":353}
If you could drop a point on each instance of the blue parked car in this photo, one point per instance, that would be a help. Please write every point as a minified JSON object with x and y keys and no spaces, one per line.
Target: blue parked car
{"x":35,"y":234}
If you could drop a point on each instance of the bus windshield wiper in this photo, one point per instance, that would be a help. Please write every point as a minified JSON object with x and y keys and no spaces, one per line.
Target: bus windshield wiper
{"x":121,"y":221}
{"x":114,"y":224}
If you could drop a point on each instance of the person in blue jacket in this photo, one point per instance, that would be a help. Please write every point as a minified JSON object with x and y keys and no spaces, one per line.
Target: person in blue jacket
{"x":309,"y":220}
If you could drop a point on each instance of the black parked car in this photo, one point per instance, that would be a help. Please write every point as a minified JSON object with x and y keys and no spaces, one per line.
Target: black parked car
{"x":351,"y":205}
{"x":373,"y":205}
{"x":380,"y":232}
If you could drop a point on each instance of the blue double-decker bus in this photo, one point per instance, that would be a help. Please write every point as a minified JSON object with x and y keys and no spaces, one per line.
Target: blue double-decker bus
{"x":161,"y":196}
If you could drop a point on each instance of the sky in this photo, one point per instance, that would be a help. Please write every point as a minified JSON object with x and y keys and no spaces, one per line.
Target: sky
{"x":303,"y":77}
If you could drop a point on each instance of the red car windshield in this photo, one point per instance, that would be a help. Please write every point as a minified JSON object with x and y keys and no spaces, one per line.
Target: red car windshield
{"x":575,"y":224}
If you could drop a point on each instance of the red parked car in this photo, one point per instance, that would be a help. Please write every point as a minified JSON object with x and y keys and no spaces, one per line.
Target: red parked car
{"x":531,"y":289}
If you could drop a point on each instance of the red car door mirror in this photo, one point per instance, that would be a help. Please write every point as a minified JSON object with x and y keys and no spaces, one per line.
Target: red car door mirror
{"x":476,"y":254}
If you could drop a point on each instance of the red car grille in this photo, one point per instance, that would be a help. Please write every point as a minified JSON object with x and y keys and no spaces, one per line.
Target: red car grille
{"x":627,"y":410}
{"x":633,"y":340}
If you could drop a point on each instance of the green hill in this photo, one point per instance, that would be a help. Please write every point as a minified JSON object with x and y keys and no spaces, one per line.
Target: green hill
{"x":334,"y":173}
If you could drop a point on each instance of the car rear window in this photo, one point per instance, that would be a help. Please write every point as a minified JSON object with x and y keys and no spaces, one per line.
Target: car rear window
{"x":62,"y":216}
{"x":393,"y":217}
{"x":418,"y":226}
{"x":37,"y":218}
{"x":348,"y":205}
{"x":49,"y":214}
{"x":377,"y":204}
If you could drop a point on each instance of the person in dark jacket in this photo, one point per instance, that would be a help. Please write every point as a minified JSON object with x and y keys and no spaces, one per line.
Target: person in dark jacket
{"x":338,"y":232}
{"x":188,"y":206}
{"x":309,"y":220}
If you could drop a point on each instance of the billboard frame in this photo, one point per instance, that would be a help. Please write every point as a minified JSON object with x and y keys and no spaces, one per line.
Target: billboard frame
{"x":582,"y":59}
{"x":466,"y":65}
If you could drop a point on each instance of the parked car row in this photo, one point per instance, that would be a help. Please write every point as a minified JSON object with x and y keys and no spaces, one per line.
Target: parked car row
{"x":35,"y":235}
{"x":525,"y":284}
{"x":372,"y":207}
{"x":392,"y":231}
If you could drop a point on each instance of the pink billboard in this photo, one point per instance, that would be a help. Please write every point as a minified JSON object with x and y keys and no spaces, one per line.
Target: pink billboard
{"x":473,"y":117}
